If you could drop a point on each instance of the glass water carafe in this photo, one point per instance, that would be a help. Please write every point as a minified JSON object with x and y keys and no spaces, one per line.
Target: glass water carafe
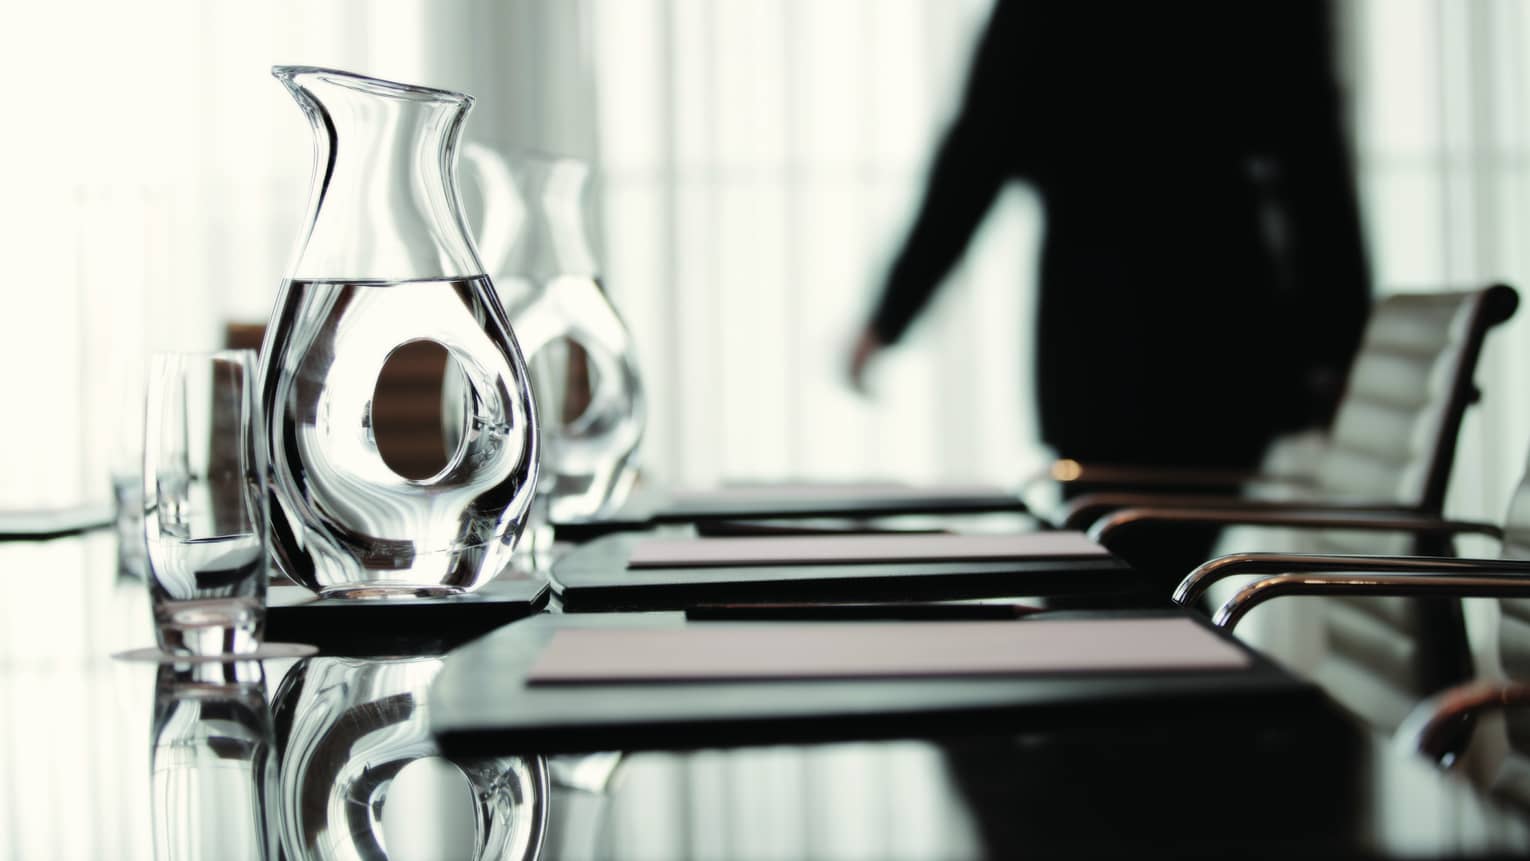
{"x":384,"y":265}
{"x":589,"y":394}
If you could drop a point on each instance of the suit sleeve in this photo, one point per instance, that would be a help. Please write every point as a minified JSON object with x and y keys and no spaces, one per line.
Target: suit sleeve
{"x":1328,"y":267}
{"x":968,"y":170}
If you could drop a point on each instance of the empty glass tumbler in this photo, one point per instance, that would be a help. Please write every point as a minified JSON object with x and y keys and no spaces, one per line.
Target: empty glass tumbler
{"x":205,"y":519}
{"x":384,"y":265}
{"x":591,"y":407}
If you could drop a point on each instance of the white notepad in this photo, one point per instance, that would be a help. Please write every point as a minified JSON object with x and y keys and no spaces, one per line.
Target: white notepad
{"x":864,"y":548}
{"x":775,"y":650}
{"x":830,"y":491}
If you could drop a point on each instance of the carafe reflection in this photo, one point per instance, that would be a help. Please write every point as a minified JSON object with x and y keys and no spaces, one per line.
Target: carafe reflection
{"x":384,"y":265}
{"x":212,"y":763}
{"x":361,"y":776}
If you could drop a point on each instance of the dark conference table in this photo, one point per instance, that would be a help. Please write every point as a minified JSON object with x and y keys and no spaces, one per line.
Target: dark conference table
{"x":98,"y":756}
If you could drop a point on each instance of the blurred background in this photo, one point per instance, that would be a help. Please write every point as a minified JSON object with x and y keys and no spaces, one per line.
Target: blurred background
{"x":756,"y":161}
{"x":755,"y":164}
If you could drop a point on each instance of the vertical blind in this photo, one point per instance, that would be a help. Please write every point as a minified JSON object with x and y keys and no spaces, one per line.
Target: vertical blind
{"x":155,"y":180}
{"x":759,"y":160}
{"x":756,"y":163}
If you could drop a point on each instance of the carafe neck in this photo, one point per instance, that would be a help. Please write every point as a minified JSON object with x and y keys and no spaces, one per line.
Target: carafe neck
{"x":533,"y":224}
{"x":384,"y":204}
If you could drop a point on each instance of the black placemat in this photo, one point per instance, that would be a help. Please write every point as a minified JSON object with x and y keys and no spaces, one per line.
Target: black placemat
{"x":43,"y":524}
{"x":594,"y":577}
{"x":646,"y":509}
{"x":481,"y":704}
{"x":364,"y":626}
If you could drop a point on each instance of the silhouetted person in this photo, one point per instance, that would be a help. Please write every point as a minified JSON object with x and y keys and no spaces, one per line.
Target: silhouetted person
{"x":1203,"y":282}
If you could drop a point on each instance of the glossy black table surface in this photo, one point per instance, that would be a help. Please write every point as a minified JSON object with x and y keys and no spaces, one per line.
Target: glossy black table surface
{"x":103,"y":758}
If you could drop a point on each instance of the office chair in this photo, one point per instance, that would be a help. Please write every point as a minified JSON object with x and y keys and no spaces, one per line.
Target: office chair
{"x":1380,"y":655}
{"x":1379,"y":488}
{"x":1391,"y":445}
{"x":1449,"y":729}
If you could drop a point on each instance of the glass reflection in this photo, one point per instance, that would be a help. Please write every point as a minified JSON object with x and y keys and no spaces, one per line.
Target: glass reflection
{"x":361,"y":777}
{"x":211,"y":765}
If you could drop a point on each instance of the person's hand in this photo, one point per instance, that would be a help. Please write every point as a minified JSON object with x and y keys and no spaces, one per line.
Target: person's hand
{"x":867,"y":345}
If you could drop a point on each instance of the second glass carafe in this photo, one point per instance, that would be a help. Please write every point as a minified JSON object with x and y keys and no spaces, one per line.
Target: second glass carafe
{"x":589,"y":393}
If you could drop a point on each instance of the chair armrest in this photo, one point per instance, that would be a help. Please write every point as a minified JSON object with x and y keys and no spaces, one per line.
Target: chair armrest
{"x":1482,"y":584}
{"x":1080,"y":477}
{"x":1091,"y":508}
{"x":1440,"y":726}
{"x":792,"y":527}
{"x":1294,"y":515}
{"x":1198,"y":581}
{"x":1084,"y":473}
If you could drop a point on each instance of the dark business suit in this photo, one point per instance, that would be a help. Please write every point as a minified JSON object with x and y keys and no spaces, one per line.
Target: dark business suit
{"x":1202,"y":279}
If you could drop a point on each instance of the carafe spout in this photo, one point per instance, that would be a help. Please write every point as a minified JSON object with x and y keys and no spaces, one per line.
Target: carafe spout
{"x":382,"y":204}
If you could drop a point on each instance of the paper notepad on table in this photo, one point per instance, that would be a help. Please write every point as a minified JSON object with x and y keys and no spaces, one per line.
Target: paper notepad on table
{"x":829,"y":491}
{"x":719,"y":652}
{"x":864,"y":548}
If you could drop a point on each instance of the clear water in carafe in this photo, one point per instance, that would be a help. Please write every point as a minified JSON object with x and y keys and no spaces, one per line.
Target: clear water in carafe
{"x":384,"y":533}
{"x":590,"y":400}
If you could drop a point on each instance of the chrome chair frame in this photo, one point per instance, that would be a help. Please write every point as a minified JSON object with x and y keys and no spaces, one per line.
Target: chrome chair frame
{"x":1305,"y":515}
{"x":1439,"y":728}
{"x":1467,"y":578}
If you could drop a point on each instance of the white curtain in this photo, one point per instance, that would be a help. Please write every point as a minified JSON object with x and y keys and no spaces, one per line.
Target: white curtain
{"x":756,"y":162}
{"x":760,"y":159}
{"x":155,"y":178}
{"x":1441,"y":107}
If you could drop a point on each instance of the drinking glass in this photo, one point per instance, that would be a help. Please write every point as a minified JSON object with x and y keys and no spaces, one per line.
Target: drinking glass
{"x":205,"y":525}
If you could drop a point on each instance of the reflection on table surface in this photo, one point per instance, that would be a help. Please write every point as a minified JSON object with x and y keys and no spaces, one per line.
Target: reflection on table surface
{"x":329,"y":757}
